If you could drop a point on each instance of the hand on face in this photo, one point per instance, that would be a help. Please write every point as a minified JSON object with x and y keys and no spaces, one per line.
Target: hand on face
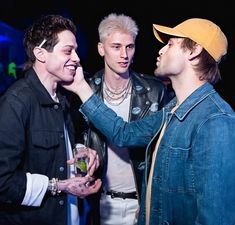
{"x":78,"y":80}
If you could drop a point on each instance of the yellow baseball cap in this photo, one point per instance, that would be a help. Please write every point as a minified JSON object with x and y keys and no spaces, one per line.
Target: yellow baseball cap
{"x":202,"y":31}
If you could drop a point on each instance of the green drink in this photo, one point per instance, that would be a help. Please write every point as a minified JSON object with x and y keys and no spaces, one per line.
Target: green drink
{"x":81,"y":159}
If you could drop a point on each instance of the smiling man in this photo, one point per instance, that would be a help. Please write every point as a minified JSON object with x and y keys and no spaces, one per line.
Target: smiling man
{"x":36,"y":133}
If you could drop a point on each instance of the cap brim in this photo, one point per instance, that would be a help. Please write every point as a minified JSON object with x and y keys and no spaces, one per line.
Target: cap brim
{"x":163,"y":33}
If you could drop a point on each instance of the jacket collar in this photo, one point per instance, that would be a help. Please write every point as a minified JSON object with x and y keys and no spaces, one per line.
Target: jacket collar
{"x":192,"y":101}
{"x":40,"y":91}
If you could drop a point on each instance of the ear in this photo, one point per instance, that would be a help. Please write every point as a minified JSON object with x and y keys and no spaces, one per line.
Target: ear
{"x":100,"y":49}
{"x":39,"y":54}
{"x":195,"y":52}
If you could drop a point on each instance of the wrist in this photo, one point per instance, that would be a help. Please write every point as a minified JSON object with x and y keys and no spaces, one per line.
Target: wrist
{"x":62,"y":185}
{"x":84,"y":91}
{"x":53,"y":186}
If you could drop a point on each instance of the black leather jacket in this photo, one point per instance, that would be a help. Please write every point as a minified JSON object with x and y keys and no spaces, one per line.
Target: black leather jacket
{"x":149,"y":94}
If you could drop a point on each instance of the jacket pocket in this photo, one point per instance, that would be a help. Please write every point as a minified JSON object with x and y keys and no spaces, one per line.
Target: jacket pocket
{"x":179,"y":175}
{"x":45,"y":139}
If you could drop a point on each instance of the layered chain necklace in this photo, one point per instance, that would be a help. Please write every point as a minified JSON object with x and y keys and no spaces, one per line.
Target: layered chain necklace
{"x":116,"y":97}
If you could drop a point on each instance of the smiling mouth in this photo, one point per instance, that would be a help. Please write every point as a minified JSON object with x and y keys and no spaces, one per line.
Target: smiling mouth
{"x":72,"y":68}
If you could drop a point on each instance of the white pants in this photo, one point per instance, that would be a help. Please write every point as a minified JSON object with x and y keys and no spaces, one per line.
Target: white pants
{"x":117,"y":211}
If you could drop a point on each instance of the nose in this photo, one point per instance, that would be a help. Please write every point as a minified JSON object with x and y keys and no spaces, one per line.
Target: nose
{"x":75,"y":57}
{"x":162,"y":50}
{"x":124,"y":52}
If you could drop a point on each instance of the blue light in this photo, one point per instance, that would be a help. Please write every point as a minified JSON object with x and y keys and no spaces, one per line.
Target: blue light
{"x":4,"y":38}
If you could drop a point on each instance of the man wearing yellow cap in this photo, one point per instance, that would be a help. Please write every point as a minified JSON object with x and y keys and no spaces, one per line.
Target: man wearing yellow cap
{"x":190,"y":170}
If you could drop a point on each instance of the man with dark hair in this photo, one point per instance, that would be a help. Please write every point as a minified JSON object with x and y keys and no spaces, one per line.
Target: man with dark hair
{"x":36,"y":133}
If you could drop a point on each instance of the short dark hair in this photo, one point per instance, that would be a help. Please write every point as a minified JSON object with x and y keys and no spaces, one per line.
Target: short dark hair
{"x":44,"y":32}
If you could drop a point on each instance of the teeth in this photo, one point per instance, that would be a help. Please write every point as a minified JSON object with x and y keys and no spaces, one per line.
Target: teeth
{"x":71,"y":67}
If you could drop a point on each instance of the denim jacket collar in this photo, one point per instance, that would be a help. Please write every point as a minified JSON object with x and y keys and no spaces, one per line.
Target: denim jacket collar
{"x":191,"y":101}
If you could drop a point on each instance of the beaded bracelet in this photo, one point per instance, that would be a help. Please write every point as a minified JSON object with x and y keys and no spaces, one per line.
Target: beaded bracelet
{"x":53,"y":186}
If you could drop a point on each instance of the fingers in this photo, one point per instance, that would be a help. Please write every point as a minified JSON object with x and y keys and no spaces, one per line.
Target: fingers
{"x":70,"y":161}
{"x":93,"y":161}
{"x":79,"y":186}
{"x":79,"y":72}
{"x":92,"y":168}
{"x":94,"y":187}
{"x":97,"y":161}
{"x":83,"y":190}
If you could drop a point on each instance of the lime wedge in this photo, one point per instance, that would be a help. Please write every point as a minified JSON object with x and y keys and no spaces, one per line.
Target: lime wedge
{"x":81,"y":165}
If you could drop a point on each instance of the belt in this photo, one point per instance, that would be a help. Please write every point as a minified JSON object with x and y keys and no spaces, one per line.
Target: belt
{"x":123,"y":195}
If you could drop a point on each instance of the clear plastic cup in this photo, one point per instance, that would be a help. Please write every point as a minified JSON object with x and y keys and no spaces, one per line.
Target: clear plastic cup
{"x":81,"y":159}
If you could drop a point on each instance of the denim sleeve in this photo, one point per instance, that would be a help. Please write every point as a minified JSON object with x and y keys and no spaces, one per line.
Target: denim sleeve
{"x":121,"y":133}
{"x":214,"y":167}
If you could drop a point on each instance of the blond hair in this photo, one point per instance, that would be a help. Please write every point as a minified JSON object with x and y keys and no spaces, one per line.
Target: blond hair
{"x":117,"y":22}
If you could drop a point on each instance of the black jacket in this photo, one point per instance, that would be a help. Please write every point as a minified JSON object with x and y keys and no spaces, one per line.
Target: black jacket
{"x":32,"y":140}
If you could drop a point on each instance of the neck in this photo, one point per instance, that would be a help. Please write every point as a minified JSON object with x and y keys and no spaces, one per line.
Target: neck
{"x":183,"y":91}
{"x":47,"y":80}
{"x":116,"y":82}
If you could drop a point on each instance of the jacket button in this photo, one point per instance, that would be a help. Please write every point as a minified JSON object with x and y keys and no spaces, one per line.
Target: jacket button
{"x":147,"y":102}
{"x":61,"y":202}
{"x":56,"y":106}
{"x":97,"y":81}
{"x":61,"y":169}
{"x":61,"y":135}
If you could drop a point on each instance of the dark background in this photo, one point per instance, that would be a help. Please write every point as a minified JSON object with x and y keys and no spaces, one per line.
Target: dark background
{"x":88,"y":13}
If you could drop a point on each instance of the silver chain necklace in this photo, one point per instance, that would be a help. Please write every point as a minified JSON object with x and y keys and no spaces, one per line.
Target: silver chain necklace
{"x":116,"y":98}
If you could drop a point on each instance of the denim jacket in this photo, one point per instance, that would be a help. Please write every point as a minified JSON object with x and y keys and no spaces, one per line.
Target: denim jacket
{"x":194,"y":173}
